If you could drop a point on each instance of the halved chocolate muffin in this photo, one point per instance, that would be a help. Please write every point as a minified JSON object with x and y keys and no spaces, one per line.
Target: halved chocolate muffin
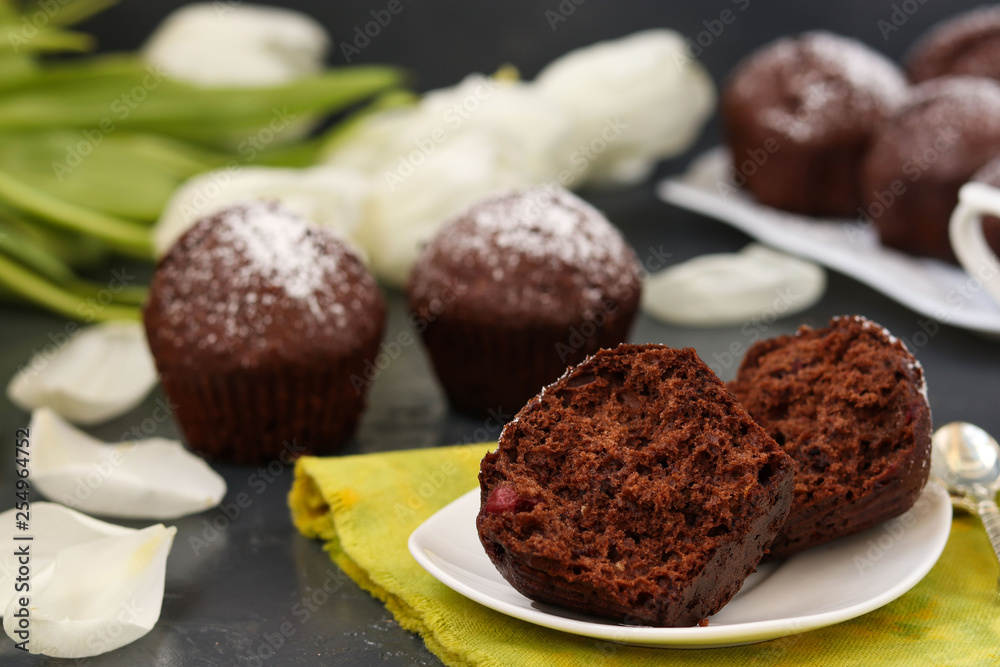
{"x":635,"y":487}
{"x":848,"y":403}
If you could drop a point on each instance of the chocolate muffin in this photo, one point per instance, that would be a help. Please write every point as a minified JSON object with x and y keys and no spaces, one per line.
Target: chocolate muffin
{"x":798,"y":115}
{"x":636,"y":488}
{"x":258,"y":321}
{"x":517,"y":288}
{"x":921,"y":157}
{"x":848,"y":403}
{"x":966,"y":45}
{"x":990,"y":175}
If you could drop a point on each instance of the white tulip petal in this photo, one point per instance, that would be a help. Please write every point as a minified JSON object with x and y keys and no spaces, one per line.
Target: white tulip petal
{"x":99,"y":596}
{"x":727,"y":289}
{"x":98,"y":373}
{"x":233,"y":44}
{"x":53,"y":528}
{"x":329,"y":196}
{"x":457,"y":145}
{"x":405,"y":218}
{"x":634,"y":100}
{"x":525,"y":129}
{"x":146,"y":479}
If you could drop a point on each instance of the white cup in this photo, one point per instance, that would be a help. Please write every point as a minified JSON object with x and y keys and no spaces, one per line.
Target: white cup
{"x":967,"y":239}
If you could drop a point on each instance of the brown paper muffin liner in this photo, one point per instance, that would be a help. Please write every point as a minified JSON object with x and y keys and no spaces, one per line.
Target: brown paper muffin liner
{"x":494,"y":370}
{"x":253,"y":416}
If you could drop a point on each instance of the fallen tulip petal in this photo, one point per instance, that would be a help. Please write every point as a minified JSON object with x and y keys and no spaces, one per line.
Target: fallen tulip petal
{"x":99,"y":596}
{"x":53,"y":528}
{"x":145,"y":479}
{"x":101,"y":372}
{"x":731,"y":288}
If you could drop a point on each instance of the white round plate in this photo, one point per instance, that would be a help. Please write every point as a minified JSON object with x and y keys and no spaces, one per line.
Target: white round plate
{"x":822,"y":586}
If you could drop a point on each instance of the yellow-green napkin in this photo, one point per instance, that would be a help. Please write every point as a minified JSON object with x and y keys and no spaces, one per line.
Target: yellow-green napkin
{"x":365,"y":507}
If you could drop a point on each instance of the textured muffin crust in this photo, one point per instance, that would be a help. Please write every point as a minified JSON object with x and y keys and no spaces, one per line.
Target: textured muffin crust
{"x":921,"y":156}
{"x":257,"y":321}
{"x":806,"y":107}
{"x":635,"y":487}
{"x":848,"y":403}
{"x":966,"y":45}
{"x":517,"y":288}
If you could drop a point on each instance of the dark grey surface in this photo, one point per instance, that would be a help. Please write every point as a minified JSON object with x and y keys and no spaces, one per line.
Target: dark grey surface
{"x":225,"y":600}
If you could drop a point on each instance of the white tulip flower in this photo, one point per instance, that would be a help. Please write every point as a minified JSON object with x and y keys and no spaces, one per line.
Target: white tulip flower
{"x":461,"y":172}
{"x":428,"y":162}
{"x":329,"y":196}
{"x":222,"y":44}
{"x":635,"y":100}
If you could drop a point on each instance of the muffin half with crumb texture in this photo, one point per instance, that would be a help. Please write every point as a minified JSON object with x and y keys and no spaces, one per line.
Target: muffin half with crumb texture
{"x":636,"y":488}
{"x":849,"y":404}
{"x":258,"y":321}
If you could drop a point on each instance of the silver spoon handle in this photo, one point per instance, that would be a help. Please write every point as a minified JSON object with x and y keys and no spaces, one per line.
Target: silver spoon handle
{"x":990,"y":515}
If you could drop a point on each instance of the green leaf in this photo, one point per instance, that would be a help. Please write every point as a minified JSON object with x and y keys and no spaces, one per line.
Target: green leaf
{"x":122,"y":235}
{"x":122,"y":174}
{"x":214,"y":116}
{"x":42,"y":40}
{"x":17,"y":280}
{"x":72,"y":249}
{"x":75,"y":11}
{"x":21,"y":247}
